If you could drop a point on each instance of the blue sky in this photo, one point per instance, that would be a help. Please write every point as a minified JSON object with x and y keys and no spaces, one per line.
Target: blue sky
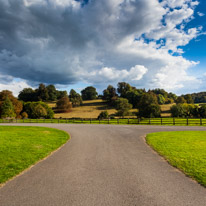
{"x":78,"y":43}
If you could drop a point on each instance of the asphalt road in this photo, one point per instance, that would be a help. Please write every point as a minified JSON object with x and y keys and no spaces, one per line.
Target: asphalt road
{"x":104,"y":165}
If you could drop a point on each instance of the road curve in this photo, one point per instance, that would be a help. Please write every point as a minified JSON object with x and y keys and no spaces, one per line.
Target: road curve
{"x":104,"y":165}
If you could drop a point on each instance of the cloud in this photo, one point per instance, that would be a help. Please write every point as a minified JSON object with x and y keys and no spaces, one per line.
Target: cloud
{"x":8,"y":83}
{"x":200,"y":14}
{"x":113,"y":75}
{"x":97,"y":42}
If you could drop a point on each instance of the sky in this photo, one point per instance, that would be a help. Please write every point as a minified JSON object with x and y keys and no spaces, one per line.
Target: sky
{"x":78,"y":43}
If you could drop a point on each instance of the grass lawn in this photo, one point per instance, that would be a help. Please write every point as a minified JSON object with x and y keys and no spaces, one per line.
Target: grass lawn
{"x":184,"y":150}
{"x":21,"y":147}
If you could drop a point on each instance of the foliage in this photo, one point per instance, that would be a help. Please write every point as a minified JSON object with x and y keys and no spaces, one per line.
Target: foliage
{"x":109,"y":94}
{"x":22,"y":147}
{"x":148,"y":106}
{"x":134,"y":96}
{"x":7,"y":109}
{"x":63,"y":105}
{"x":24,"y":115}
{"x":43,"y":93}
{"x":103,"y":115}
{"x":184,"y":150}
{"x":161,"y":99}
{"x":27,"y":94}
{"x":180,"y":100}
{"x":122,"y":106}
{"x":75,"y":98}
{"x":89,"y":93}
{"x":18,"y":106}
{"x":52,"y":92}
{"x":187,"y":110}
{"x":123,"y":88}
{"x":38,"y":110}
{"x":188,"y":98}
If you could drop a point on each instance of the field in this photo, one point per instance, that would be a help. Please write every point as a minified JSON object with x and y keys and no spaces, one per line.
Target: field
{"x":21,"y":147}
{"x":184,"y":150}
{"x":89,"y":109}
{"x":92,"y":109}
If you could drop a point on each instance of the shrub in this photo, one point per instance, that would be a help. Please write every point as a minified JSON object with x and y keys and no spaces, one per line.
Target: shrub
{"x":7,"y":109}
{"x":63,"y":105}
{"x":103,"y":115}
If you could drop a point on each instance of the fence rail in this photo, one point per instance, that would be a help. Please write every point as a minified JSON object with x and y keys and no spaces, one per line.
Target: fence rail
{"x":132,"y":121}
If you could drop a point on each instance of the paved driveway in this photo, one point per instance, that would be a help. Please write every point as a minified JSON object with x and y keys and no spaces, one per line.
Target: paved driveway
{"x":104,"y":165}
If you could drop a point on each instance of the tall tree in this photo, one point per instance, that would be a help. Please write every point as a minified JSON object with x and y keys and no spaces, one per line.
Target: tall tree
{"x":148,"y":106}
{"x":27,"y":94}
{"x":89,"y":93}
{"x":109,"y":93}
{"x":123,"y":88}
{"x":52,"y":92}
{"x":42,"y":93}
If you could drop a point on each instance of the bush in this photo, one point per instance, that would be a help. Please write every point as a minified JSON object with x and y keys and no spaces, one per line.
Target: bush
{"x":38,"y":110}
{"x":103,"y":115}
{"x":63,"y":105}
{"x":7,"y":109}
{"x":24,"y":115}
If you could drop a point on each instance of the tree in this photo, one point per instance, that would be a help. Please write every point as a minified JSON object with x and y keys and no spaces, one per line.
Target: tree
{"x":89,"y":93}
{"x":61,"y":94}
{"x":188,"y":98}
{"x":202,"y":111}
{"x":42,"y":93}
{"x":109,"y":94}
{"x":35,"y":110}
{"x":148,"y":106}
{"x":122,"y":106}
{"x":63,"y":105}
{"x":75,"y":98}
{"x":134,"y":96}
{"x":180,"y":100}
{"x":123,"y":88}
{"x":7,"y":109}
{"x":161,"y":99}
{"x":16,"y":104}
{"x":27,"y":95}
{"x":103,"y":115}
{"x":52,"y":92}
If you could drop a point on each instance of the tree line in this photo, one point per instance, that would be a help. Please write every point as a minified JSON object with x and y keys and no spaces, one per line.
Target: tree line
{"x":31,"y":102}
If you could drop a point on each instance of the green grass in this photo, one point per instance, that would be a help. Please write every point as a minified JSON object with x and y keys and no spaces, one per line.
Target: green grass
{"x":21,"y":147}
{"x":184,"y":150}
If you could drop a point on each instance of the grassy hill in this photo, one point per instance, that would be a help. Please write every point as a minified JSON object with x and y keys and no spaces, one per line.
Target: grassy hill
{"x":92,"y":109}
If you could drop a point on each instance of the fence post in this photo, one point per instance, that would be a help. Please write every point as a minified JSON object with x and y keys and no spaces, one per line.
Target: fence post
{"x":108,"y":120}
{"x":187,"y":121}
{"x":117,"y":120}
{"x":161,"y":120}
{"x":200,"y":121}
{"x":149,"y":121}
{"x":138,"y":120}
{"x":90,"y":120}
{"x":173,"y":121}
{"x":128,"y":120}
{"x":99,"y":120}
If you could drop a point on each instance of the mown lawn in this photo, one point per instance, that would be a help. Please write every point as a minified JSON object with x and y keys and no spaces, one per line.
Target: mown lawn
{"x":21,"y":147}
{"x":184,"y":150}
